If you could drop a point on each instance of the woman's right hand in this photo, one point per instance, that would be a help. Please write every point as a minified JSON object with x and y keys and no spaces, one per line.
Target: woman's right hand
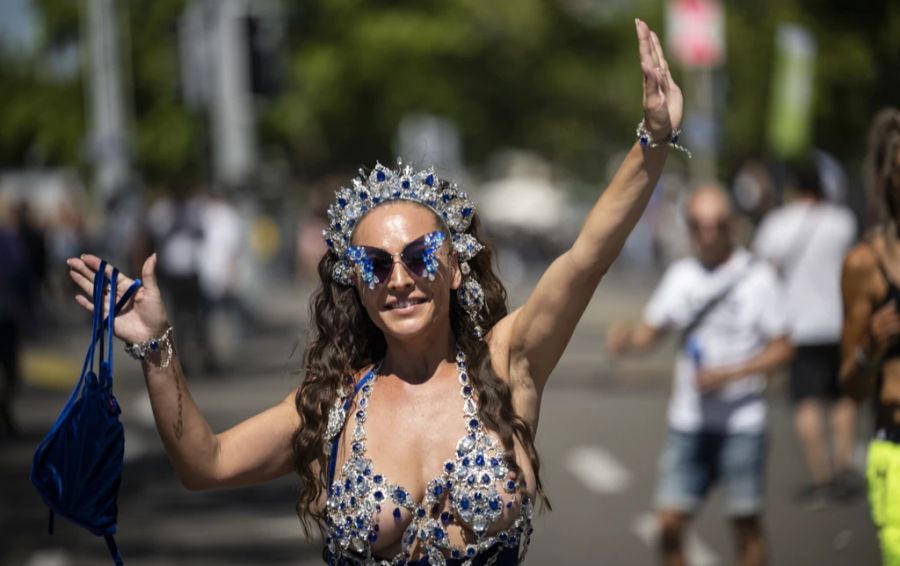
{"x":143,"y":317}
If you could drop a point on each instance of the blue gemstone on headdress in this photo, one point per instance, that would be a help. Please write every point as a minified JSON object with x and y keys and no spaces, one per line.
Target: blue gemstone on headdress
{"x":397,"y":194}
{"x":379,"y":176}
{"x":429,"y":180}
{"x":363,"y":195}
{"x":445,"y":197}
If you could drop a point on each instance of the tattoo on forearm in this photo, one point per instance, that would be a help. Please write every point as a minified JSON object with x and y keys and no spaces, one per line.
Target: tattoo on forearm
{"x":179,"y":423}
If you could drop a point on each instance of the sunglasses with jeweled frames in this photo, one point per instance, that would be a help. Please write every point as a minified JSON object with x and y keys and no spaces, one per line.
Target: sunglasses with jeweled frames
{"x":375,"y":265}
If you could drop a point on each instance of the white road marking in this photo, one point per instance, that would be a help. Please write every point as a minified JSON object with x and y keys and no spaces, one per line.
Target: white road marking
{"x":49,"y":557}
{"x":598,"y":470}
{"x":646,"y":528}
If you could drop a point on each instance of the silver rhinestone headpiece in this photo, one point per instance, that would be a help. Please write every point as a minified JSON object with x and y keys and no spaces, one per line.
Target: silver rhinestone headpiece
{"x":383,"y":185}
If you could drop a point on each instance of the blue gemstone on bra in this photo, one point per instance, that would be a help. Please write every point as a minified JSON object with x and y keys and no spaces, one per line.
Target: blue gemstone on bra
{"x":494,"y":504}
{"x":420,"y":513}
{"x":465,"y":462}
{"x":360,"y":478}
{"x":470,"y":551}
{"x":495,"y":462}
{"x":479,"y":459}
{"x":449,"y":466}
{"x":445,"y":518}
{"x":396,"y":512}
{"x":400,"y":495}
{"x":352,"y":502}
{"x":464,"y":504}
{"x":373,"y":536}
{"x":485,"y":479}
{"x":509,"y":504}
{"x":502,"y":536}
{"x":360,"y":523}
{"x":478,"y":496}
{"x":377,"y":479}
{"x":470,"y":480}
{"x":455,"y":553}
{"x":510,"y":486}
{"x":378,"y":496}
{"x":438,"y":533}
{"x":347,"y":484}
{"x":438,"y":490}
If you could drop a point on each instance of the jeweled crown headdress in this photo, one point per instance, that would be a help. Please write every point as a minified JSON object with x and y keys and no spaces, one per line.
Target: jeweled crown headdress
{"x":383,"y":185}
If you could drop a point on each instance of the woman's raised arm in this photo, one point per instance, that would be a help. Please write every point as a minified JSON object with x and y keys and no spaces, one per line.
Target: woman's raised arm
{"x":256,"y":450}
{"x":543,"y":326}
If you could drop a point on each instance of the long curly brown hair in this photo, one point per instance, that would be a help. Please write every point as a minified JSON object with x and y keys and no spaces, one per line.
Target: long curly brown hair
{"x":344,"y":340}
{"x":882,"y":169}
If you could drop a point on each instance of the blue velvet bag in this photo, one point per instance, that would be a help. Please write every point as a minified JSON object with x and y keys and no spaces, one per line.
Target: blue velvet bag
{"x":78,"y":466}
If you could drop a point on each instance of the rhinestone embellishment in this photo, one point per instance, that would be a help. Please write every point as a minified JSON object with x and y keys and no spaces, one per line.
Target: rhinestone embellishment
{"x":468,"y":483}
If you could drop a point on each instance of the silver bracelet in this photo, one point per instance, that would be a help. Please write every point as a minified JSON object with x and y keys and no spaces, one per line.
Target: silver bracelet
{"x":162,"y":344}
{"x":646,"y":139}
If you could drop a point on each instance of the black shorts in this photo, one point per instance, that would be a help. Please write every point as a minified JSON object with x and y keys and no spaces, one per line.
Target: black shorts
{"x":814,"y":372}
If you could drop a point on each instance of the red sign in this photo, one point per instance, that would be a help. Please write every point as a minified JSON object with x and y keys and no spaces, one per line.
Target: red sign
{"x":696,"y":32}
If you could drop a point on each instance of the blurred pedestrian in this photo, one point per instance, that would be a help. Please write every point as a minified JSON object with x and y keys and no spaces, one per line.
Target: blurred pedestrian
{"x":175,"y":225}
{"x":806,"y":240}
{"x":729,"y":309}
{"x":870,"y":342}
{"x":416,"y":372}
{"x":16,"y":294}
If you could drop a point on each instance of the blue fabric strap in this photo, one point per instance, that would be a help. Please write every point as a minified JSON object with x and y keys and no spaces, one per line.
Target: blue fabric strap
{"x":113,"y":549}
{"x":332,"y":462}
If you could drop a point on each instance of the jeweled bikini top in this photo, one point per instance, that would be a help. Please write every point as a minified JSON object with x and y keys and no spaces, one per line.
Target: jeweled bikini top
{"x":468,"y":481}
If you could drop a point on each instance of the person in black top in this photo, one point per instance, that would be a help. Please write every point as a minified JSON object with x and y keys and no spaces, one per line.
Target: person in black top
{"x":870,"y":341}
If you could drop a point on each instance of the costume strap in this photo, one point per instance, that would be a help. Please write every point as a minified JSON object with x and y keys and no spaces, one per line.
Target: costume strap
{"x":332,"y":462}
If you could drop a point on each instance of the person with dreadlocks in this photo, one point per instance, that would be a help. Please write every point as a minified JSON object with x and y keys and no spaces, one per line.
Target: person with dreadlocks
{"x":870,"y":342}
{"x":413,"y":429}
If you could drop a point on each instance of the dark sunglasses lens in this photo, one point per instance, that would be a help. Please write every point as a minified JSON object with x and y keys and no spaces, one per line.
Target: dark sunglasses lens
{"x":382,"y":264}
{"x":414,"y":257}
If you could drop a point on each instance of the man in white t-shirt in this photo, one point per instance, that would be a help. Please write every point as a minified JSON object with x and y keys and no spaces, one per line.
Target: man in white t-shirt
{"x":806,"y":240}
{"x":729,"y":309}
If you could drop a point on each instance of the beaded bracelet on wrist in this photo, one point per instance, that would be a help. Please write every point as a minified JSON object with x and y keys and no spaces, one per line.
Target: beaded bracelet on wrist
{"x":646,"y":139}
{"x":162,"y":344}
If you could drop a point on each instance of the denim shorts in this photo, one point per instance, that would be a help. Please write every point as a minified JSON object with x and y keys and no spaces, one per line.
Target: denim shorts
{"x":693,"y":462}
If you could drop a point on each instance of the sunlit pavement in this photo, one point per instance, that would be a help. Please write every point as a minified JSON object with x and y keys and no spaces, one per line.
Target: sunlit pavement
{"x":601,"y":428}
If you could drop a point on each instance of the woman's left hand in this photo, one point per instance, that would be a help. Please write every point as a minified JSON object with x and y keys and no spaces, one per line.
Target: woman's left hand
{"x":663,"y":101}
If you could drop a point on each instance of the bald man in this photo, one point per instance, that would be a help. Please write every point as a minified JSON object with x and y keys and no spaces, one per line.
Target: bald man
{"x":729,"y":311}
